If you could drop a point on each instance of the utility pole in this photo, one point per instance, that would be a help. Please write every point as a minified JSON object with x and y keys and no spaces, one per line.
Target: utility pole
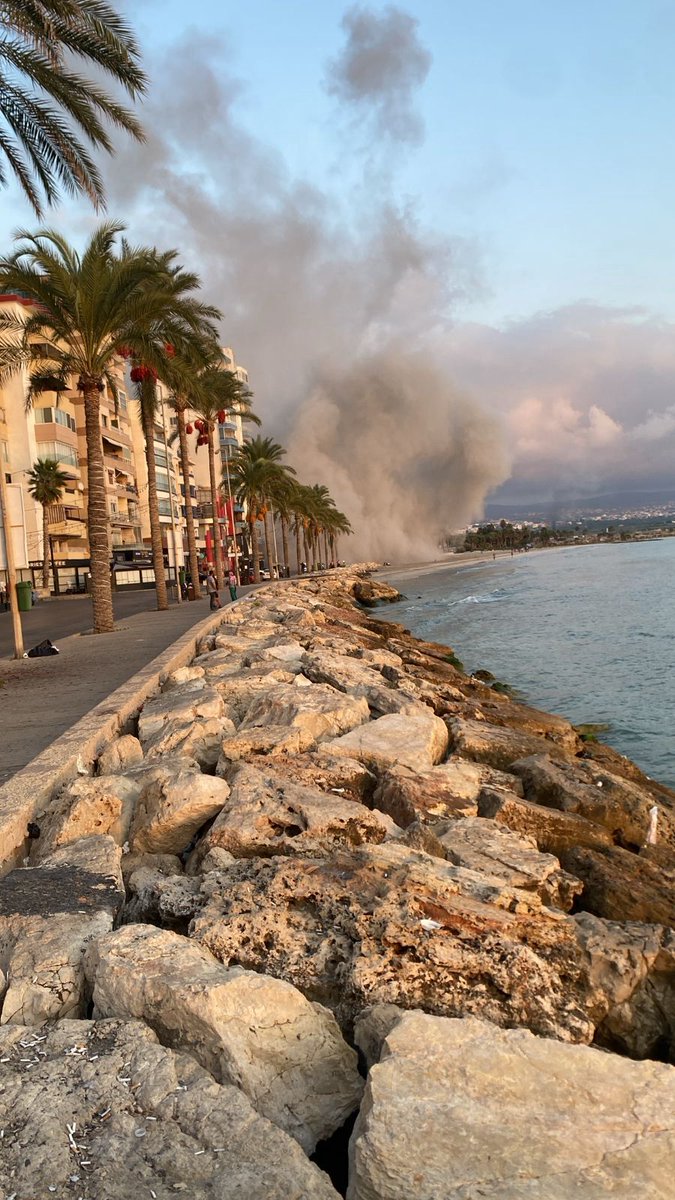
{"x":231,"y":514}
{"x":11,"y":567}
{"x":169,"y":473}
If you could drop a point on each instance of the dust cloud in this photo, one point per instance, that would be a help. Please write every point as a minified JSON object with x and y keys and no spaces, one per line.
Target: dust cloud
{"x":336,"y":300}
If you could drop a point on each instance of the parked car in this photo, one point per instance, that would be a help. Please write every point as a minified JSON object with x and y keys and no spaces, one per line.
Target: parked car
{"x":265,"y":575}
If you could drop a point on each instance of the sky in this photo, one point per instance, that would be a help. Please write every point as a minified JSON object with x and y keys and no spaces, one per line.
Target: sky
{"x":479,"y":196}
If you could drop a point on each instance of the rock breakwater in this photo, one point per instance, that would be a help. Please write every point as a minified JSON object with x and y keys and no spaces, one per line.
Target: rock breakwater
{"x":330,"y":876}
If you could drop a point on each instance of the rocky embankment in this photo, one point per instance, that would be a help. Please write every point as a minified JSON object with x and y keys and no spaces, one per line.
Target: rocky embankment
{"x":332,"y":879}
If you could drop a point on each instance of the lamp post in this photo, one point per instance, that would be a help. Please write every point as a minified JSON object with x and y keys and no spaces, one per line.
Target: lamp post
{"x":231,"y":512}
{"x":179,"y":598}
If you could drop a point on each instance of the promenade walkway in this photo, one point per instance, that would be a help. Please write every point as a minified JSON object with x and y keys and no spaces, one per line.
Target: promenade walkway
{"x":40,"y":698}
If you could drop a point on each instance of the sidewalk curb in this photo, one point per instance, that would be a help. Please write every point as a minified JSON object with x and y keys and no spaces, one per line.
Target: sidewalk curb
{"x":27,"y":794}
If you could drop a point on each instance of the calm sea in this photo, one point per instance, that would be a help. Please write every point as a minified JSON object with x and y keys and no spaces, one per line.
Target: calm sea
{"x":588,"y":632}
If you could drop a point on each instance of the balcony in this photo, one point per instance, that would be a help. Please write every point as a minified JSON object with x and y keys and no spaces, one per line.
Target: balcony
{"x":121,"y":519}
{"x":64,"y":520}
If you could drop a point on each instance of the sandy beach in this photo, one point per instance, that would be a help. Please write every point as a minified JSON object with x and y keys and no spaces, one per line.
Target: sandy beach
{"x":449,"y":562}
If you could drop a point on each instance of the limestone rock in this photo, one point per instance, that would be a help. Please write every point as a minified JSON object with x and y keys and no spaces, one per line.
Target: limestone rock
{"x":319,"y":712}
{"x":282,"y":653}
{"x":266,"y":814}
{"x":272,"y":740}
{"x":329,"y":772}
{"x":447,"y":791}
{"x":554,"y":832}
{"x":286,"y":1054}
{"x":122,"y":753}
{"x":181,"y":676}
{"x":199,"y":740}
{"x":191,"y":701}
{"x":160,"y":899}
{"x":622,"y":886}
{"x":48,"y":916}
{"x":387,"y":924}
{"x":498,"y":746}
{"x":490,"y":849}
{"x":242,"y":687}
{"x":415,"y":741}
{"x":459,"y":1108}
{"x":171,"y":810}
{"x":371,"y":1028}
{"x":144,"y":1118}
{"x":165,"y":864}
{"x":631,"y":970}
{"x":606,"y":799}
{"x":371,"y":592}
{"x":88,"y":807}
{"x":358,"y":677}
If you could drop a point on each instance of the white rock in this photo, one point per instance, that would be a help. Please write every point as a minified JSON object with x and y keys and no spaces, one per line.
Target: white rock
{"x":259,"y":1033}
{"x":171,"y":810}
{"x":417,"y":741}
{"x":462,"y":1109}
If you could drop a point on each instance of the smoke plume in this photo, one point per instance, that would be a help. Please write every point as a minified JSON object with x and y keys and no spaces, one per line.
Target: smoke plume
{"x":381,"y":66}
{"x":331,"y":300}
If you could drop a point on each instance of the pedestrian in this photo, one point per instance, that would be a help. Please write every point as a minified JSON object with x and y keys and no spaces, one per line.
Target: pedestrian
{"x":212,"y":590}
{"x":232,"y":584}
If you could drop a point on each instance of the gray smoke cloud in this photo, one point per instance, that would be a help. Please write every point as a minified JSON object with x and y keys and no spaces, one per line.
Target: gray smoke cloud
{"x":379,"y":70}
{"x":329,"y":303}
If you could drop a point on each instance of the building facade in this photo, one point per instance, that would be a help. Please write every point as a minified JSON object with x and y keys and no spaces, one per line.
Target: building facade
{"x":53,"y":427}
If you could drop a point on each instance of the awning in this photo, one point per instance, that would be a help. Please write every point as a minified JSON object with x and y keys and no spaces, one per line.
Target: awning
{"x":114,"y":440}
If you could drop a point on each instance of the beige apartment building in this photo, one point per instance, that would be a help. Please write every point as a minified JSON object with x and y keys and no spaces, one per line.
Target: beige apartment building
{"x":54,"y":428}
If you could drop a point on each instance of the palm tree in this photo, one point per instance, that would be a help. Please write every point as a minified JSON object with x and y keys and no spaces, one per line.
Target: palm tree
{"x":212,"y":393}
{"x":46,"y":482}
{"x":250,"y":478}
{"x":148,"y":404}
{"x":276,"y":481}
{"x":86,"y":309}
{"x":180,"y":405}
{"x":47,"y":107}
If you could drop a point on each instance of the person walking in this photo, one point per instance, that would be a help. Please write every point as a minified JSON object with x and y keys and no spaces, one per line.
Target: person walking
{"x":212,"y":590}
{"x":232,"y":584}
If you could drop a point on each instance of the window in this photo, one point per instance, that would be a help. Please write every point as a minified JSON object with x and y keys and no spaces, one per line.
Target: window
{"x":104,"y":421}
{"x":164,"y":508}
{"x":4,"y":451}
{"x":2,"y":414}
{"x":160,"y":455}
{"x":59,"y":451}
{"x":55,"y":416}
{"x":122,"y":401}
{"x":162,"y":481}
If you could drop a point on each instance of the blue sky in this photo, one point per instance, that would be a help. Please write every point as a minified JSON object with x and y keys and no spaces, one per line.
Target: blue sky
{"x":549,"y":131}
{"x":493,"y":200}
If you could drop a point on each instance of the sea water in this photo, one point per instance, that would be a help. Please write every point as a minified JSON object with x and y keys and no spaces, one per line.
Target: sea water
{"x":587,"y":632}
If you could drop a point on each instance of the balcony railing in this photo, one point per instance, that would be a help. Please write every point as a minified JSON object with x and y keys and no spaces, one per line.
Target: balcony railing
{"x":58,"y":513}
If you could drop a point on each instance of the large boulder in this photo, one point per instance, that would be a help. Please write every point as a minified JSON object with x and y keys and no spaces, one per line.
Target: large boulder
{"x":122,"y":753}
{"x":554,"y":832}
{"x":418,"y":741}
{"x":388,"y":924}
{"x":441,"y":793}
{"x":99,"y":1109}
{"x":87,"y":807}
{"x":48,"y":916}
{"x":192,"y":701}
{"x":266,"y":814}
{"x":199,"y":740}
{"x":622,"y":886}
{"x":172,"y":808}
{"x":460,"y":1108}
{"x":490,"y":849}
{"x":583,"y":788}
{"x":286,"y":1054}
{"x":631,"y":974}
{"x":497,"y":745}
{"x":317,"y":711}
{"x":359,"y":677}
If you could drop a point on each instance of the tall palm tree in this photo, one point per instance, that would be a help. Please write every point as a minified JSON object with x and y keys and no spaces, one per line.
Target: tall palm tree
{"x":250,"y":478}
{"x":86,"y":309}
{"x":276,"y":481}
{"x":213,"y":392}
{"x":48,"y":110}
{"x":46,"y":482}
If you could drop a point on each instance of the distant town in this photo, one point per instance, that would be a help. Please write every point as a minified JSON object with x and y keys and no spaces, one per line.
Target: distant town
{"x":611,"y":518}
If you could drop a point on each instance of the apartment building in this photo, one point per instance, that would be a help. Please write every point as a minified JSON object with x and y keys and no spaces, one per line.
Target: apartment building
{"x":54,"y":428}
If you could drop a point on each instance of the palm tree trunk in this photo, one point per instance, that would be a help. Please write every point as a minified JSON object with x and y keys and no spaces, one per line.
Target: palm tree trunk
{"x":189,"y":516}
{"x":255,"y":554}
{"x":284,"y":544}
{"x":268,"y":542}
{"x":153,"y":507}
{"x":45,"y":548}
{"x":217,"y":548}
{"x":333,"y":549}
{"x":307,"y":546}
{"x":298,"y":551}
{"x":325,"y":548}
{"x":97,"y":515}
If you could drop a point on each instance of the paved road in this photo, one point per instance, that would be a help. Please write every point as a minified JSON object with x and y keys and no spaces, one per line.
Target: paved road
{"x":42,"y":697}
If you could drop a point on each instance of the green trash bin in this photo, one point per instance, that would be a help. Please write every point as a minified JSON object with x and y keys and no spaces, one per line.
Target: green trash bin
{"x":24,"y":596}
